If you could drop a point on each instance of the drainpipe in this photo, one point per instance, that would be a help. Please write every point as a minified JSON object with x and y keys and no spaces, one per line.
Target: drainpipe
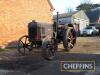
{"x":57,"y":21}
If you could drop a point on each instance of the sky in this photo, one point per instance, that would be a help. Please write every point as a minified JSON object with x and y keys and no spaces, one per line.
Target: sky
{"x":61,"y":6}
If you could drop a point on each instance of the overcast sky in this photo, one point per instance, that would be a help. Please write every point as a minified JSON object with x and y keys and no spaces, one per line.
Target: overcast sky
{"x":62,"y":5}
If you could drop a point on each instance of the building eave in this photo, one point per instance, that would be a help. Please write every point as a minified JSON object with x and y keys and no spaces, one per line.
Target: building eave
{"x":52,"y":8}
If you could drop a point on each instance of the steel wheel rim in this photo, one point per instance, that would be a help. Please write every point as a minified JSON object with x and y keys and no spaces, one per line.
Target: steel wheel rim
{"x":50,"y":52}
{"x":70,"y":40}
{"x":23,"y":49}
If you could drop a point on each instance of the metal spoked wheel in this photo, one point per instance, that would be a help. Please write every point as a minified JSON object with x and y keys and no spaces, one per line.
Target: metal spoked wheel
{"x":69,"y":39}
{"x":24,"y":45}
{"x":48,"y":50}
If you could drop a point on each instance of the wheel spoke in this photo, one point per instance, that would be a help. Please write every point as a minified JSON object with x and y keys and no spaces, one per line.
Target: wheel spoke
{"x":68,"y":38}
{"x":23,"y":45}
{"x":50,"y":51}
{"x":70,"y":45}
{"x":25,"y":40}
{"x":22,"y":42}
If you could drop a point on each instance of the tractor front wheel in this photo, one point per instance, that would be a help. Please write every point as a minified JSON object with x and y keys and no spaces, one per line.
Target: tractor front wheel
{"x":48,"y":50}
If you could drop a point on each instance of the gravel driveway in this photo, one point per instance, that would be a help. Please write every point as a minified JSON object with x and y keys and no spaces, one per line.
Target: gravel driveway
{"x":90,"y":45}
{"x":87,"y":48}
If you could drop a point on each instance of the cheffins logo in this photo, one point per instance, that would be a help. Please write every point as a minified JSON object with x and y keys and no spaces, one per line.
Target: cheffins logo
{"x":77,"y":65}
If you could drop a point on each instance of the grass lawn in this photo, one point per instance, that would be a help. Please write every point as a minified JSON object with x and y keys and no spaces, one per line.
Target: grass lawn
{"x":5,"y":49}
{"x":2,"y":50}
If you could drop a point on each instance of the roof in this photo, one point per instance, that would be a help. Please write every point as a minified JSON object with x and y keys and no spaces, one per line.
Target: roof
{"x":63,"y":15}
{"x":94,"y":14}
{"x":50,"y":4}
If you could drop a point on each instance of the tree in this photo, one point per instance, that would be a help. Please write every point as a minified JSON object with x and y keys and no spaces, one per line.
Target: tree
{"x":86,"y":5}
{"x":69,"y":9}
{"x":86,"y":1}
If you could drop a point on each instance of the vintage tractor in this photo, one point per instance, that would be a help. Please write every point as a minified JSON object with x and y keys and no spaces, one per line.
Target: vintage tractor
{"x":47,"y":37}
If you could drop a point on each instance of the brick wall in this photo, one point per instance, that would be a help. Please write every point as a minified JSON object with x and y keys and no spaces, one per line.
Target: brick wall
{"x":16,"y":14}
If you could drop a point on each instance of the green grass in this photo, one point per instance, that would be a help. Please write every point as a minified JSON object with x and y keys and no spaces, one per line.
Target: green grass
{"x":2,"y":50}
{"x":5,"y":49}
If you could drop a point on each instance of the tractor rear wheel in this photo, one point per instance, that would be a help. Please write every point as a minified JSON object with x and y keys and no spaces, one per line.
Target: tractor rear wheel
{"x":69,"y":38}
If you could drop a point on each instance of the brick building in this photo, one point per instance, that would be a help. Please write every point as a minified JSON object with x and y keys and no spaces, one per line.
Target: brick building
{"x":16,"y":14}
